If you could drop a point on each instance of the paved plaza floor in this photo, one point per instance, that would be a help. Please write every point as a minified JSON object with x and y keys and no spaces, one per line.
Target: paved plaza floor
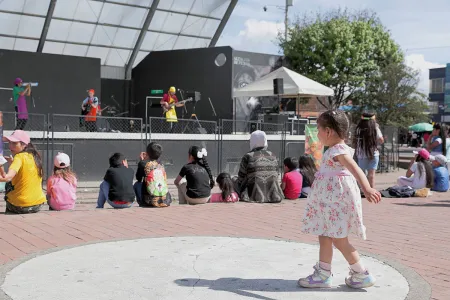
{"x":229,"y":251}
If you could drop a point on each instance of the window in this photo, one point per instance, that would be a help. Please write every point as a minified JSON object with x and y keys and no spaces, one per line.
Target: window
{"x":437,"y":86}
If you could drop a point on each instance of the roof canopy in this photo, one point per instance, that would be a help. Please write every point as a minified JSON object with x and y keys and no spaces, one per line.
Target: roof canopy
{"x":111,"y":29}
{"x":294,"y":84}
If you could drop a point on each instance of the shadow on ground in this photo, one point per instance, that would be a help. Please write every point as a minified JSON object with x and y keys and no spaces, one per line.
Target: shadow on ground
{"x":245,"y":287}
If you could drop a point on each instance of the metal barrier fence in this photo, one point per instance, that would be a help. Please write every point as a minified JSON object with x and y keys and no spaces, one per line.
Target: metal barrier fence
{"x":177,"y":138}
{"x":90,"y":144}
{"x":95,"y":141}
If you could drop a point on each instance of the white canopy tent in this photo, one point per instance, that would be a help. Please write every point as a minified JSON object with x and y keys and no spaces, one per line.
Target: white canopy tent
{"x":294,"y":84}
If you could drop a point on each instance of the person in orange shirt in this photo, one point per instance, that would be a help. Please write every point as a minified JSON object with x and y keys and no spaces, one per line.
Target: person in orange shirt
{"x":91,"y":108}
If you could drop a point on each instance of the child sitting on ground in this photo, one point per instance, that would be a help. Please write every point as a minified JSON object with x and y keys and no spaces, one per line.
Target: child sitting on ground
{"x":226,"y":186}
{"x":291,"y":184}
{"x":151,"y":187}
{"x":62,"y":185}
{"x":23,"y":193}
{"x":439,"y":164}
{"x":117,"y":186}
{"x":420,"y":173}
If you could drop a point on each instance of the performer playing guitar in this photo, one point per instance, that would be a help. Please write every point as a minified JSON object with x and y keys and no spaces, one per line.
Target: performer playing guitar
{"x":90,"y":108}
{"x":166,"y":101}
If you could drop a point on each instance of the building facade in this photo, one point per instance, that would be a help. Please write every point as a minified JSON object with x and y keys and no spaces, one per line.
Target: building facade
{"x":440,"y":94}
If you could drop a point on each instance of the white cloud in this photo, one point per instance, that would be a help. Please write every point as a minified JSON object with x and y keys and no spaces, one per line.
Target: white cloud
{"x":418,"y":62}
{"x":257,"y":30}
{"x":257,"y":36}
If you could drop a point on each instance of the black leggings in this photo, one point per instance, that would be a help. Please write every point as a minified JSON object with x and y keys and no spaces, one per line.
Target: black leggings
{"x":20,"y":123}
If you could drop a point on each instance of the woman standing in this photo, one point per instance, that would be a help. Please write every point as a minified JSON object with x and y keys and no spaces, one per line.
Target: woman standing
{"x":437,"y":143}
{"x":366,"y":139}
{"x":20,"y":102}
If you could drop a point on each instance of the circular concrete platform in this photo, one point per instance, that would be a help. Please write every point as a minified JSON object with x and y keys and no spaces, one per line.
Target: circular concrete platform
{"x":189,"y":268}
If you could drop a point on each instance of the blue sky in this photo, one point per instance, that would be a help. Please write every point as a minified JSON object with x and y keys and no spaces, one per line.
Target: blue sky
{"x":416,"y":25}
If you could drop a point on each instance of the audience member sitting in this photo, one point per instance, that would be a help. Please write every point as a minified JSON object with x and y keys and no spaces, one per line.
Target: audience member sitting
{"x":258,"y":173}
{"x":420,"y":173}
{"x":117,"y":186}
{"x":226,"y":186}
{"x":292,"y":181}
{"x":308,"y":169}
{"x":441,"y":175}
{"x":151,"y":188}
{"x":199,"y":180}
{"x":23,"y":191}
{"x":62,"y":185}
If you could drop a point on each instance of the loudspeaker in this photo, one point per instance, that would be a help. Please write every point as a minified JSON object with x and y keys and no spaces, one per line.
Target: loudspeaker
{"x":196,"y":96}
{"x":201,"y":130}
{"x":278,"y":87}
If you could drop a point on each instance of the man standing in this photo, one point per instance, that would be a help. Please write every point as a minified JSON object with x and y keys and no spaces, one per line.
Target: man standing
{"x":90,"y":108}
{"x":168,"y":103}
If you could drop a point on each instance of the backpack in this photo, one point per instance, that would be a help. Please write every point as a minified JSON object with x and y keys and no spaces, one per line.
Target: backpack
{"x":399,"y":192}
{"x":156,"y":180}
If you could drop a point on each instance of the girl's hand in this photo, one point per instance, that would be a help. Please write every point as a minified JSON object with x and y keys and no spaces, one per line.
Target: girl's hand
{"x":372,"y":195}
{"x":143,"y":156}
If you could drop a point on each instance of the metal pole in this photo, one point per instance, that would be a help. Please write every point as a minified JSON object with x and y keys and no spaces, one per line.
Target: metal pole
{"x":286,"y":11}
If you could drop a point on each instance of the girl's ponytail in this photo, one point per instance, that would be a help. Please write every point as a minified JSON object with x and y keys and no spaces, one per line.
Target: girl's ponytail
{"x":37,"y":158}
{"x":200,"y":157}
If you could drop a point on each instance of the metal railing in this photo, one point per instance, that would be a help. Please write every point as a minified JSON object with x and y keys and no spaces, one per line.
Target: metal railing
{"x":90,"y":144}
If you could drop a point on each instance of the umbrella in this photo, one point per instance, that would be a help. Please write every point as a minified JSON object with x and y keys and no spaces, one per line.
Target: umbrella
{"x":421,"y":127}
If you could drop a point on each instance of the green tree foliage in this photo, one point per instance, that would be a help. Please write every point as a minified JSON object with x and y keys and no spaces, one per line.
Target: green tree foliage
{"x":341,"y":50}
{"x":393,"y":96}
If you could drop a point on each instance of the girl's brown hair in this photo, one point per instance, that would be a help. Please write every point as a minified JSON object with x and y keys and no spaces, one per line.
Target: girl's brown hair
{"x":66,"y":174}
{"x":335,"y":120}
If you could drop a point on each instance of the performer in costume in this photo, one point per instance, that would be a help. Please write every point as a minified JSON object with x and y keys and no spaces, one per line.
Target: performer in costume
{"x":20,"y":102}
{"x":90,"y":108}
{"x":166,"y":101}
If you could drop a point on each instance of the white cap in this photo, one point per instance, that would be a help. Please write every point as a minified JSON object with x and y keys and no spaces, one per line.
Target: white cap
{"x":62,"y":160}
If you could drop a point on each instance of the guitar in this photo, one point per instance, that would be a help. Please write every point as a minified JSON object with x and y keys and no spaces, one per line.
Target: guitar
{"x":86,"y":111}
{"x":173,"y":104}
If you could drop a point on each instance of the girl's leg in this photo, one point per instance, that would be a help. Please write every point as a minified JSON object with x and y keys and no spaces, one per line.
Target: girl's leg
{"x":359,"y":276}
{"x":321,"y":278}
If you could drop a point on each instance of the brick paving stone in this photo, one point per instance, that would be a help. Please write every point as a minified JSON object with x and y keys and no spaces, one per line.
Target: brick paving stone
{"x":412,"y":231}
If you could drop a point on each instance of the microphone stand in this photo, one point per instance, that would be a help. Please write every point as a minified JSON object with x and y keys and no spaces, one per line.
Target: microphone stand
{"x":183,"y":109}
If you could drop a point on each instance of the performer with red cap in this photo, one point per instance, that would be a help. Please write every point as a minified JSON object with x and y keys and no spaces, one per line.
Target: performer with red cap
{"x":90,"y":108}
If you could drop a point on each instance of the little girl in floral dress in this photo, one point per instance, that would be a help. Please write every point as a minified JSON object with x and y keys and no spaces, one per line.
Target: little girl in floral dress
{"x":334,"y":207}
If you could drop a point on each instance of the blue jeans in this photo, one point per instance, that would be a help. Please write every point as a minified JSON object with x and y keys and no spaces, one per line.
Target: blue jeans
{"x":138,"y":191}
{"x":103,"y":198}
{"x":367,"y":164}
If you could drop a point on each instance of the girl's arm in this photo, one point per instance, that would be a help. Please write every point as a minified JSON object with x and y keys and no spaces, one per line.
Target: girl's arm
{"x":371,"y":194}
{"x":177,"y":180}
{"x":409,"y":172}
{"x":9,"y":176}
{"x":433,"y":145}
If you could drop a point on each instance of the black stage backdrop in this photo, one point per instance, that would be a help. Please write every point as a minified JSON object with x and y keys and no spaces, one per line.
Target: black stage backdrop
{"x":116,"y":95}
{"x":206,"y":70}
{"x":63,"y":80}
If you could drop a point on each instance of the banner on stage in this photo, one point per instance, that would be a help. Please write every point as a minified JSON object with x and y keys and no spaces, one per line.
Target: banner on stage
{"x":313,"y":146}
{"x":1,"y":133}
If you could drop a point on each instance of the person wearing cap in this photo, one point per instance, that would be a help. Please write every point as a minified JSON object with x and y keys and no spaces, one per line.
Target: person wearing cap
{"x":20,"y":102}
{"x":166,"y":101}
{"x":62,"y":185}
{"x":23,"y":190}
{"x":420,"y":173}
{"x":90,"y":108}
{"x":441,"y":175}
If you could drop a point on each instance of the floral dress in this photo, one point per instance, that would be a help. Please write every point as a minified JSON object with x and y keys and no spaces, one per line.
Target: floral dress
{"x":334,"y":204}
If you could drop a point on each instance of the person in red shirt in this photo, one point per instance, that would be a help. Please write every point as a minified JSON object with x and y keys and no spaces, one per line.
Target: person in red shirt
{"x":90,"y":108}
{"x":292,"y":181}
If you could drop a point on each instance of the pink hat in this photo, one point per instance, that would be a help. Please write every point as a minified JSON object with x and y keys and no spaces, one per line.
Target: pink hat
{"x":61,"y":160}
{"x":17,"y":80}
{"x":18,"y":136}
{"x":423,"y":153}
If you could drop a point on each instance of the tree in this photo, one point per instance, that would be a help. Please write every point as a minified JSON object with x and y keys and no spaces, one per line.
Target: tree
{"x":341,"y":50}
{"x":393,"y":96}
